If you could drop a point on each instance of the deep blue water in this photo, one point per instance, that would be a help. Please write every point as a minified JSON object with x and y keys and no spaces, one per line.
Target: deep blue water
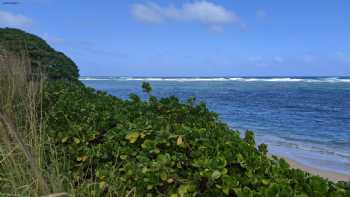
{"x":306,"y":119}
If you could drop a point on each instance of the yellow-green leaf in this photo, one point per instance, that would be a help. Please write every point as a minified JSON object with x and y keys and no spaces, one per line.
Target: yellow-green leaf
{"x":157,"y":151}
{"x":149,"y":187}
{"x":102,"y":185}
{"x":123,"y":157}
{"x":64,"y":140}
{"x":142,"y":135}
{"x":216,"y":174}
{"x":144,"y":170}
{"x":265,"y":181}
{"x":132,"y":137}
{"x":76,"y":140}
{"x":226,"y":190}
{"x":179,"y":141}
{"x":102,"y":177}
{"x":163,"y":176}
{"x":82,"y":158}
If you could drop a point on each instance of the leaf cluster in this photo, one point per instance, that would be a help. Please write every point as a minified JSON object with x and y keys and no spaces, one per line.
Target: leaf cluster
{"x":165,"y":147}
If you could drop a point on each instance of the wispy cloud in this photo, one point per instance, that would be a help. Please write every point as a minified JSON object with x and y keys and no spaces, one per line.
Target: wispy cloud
{"x":149,"y":12}
{"x":8,"y":19}
{"x":213,"y":15}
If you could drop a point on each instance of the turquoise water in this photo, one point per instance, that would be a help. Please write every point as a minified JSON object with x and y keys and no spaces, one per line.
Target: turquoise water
{"x":306,"y":119}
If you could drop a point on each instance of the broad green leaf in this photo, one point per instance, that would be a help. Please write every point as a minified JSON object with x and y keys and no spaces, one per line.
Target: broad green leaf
{"x":64,"y":140}
{"x":216,"y":174}
{"x":76,"y":140}
{"x":163,"y":176}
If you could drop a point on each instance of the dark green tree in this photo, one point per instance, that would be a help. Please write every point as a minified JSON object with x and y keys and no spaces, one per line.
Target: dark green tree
{"x":41,"y":56}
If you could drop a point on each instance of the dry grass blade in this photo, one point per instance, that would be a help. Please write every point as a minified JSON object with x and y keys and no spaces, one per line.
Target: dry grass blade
{"x":12,"y":131}
{"x":20,"y":121}
{"x":57,"y":195}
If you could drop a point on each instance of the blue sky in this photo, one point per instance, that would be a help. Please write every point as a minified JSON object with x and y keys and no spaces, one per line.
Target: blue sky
{"x":193,"y":37}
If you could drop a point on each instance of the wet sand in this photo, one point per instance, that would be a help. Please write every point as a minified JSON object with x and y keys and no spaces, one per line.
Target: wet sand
{"x":333,"y":176}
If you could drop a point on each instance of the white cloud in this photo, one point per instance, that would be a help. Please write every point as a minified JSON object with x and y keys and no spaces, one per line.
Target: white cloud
{"x":150,"y":12}
{"x":204,"y":12}
{"x":8,"y":19}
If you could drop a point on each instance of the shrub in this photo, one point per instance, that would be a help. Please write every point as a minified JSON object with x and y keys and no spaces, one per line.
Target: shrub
{"x":164,"y":147}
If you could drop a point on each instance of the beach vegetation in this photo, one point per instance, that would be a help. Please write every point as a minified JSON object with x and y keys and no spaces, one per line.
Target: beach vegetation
{"x":93,"y":144}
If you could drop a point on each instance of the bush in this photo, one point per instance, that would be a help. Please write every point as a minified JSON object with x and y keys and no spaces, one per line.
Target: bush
{"x":164,"y":147}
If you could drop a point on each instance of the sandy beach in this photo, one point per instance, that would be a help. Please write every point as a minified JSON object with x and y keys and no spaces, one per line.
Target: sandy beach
{"x":333,"y":176}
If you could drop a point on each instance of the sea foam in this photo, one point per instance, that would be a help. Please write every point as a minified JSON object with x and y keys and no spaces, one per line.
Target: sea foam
{"x":240,"y":79}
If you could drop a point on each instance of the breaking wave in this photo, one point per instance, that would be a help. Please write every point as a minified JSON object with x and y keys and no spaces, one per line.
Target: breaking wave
{"x":241,"y":79}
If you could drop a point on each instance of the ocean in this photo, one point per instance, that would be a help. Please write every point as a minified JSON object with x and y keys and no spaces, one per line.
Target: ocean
{"x":304,"y":118}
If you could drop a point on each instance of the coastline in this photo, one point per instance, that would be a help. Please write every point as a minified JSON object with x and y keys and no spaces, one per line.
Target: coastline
{"x":333,"y":176}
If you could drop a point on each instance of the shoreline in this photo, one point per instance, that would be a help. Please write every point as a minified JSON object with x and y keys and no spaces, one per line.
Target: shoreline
{"x":333,"y":176}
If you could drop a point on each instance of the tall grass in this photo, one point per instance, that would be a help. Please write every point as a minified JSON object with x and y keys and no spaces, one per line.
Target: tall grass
{"x":23,"y":167}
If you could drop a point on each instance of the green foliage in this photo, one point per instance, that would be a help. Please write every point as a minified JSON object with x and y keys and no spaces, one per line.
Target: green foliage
{"x":164,"y":147}
{"x":146,"y":87}
{"x":249,"y":138}
{"x":262,"y":149}
{"x":41,"y":56}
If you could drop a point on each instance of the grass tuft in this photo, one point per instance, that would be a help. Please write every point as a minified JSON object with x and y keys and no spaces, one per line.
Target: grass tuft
{"x":23,"y":170}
